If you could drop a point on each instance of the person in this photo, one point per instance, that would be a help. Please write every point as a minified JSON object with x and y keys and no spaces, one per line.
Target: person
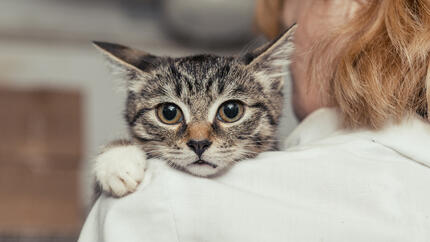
{"x":355,"y":169}
{"x":373,"y":68}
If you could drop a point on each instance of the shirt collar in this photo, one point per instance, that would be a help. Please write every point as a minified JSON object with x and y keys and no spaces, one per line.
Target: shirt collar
{"x":410,"y":137}
{"x":318,"y":125}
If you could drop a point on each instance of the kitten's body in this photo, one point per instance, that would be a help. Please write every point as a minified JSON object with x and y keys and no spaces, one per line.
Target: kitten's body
{"x":199,"y":113}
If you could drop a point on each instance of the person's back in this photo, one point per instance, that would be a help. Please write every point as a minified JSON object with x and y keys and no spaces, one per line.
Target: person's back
{"x":330,"y":186}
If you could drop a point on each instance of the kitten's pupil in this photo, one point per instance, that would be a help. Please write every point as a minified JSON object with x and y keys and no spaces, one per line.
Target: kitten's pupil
{"x":169,"y":112}
{"x":231,"y":110}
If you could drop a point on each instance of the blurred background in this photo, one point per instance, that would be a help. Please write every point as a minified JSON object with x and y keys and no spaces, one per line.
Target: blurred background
{"x":59,"y":104}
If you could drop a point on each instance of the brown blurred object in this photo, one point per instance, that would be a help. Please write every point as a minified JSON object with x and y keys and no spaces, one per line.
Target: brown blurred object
{"x":40,"y":150}
{"x":268,"y":15}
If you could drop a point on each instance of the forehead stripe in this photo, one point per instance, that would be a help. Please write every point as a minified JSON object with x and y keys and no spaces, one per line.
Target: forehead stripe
{"x":221,"y":85}
{"x":209,"y":84}
{"x":176,"y":74}
{"x":189,"y":85}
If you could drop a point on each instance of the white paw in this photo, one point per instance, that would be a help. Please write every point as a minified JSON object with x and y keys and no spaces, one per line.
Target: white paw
{"x":120,"y":169}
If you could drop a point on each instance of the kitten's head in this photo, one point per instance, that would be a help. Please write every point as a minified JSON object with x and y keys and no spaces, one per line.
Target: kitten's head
{"x":202,"y":113}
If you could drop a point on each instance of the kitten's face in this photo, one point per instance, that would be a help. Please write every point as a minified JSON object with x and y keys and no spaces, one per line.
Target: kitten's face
{"x":203,"y":113}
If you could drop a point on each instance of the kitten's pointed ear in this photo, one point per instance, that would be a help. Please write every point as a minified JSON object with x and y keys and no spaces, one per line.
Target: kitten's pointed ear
{"x":128,"y":63}
{"x":277,"y":50}
{"x":270,"y":61}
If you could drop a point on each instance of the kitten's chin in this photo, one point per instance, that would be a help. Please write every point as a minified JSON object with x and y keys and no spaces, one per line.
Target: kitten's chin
{"x":203,"y":169}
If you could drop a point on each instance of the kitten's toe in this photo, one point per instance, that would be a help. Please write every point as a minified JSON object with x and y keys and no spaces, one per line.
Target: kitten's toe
{"x":117,"y":187}
{"x":120,"y":169}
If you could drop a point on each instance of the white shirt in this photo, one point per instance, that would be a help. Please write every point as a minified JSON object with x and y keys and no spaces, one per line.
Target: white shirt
{"x":328,"y":185}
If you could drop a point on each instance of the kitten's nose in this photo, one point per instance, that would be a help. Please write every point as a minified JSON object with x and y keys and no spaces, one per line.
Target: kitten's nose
{"x":199,"y":146}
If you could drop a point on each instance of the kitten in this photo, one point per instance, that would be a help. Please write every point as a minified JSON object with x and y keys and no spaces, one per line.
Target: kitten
{"x":200,"y":113}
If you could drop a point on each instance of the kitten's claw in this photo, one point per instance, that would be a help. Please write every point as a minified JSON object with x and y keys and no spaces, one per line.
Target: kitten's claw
{"x":120,"y":169}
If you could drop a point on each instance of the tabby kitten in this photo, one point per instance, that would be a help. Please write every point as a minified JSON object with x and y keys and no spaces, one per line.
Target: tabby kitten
{"x":200,"y":113}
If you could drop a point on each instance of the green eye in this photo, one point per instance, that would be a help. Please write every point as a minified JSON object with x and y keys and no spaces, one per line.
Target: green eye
{"x":169,"y":113}
{"x":230,"y":111}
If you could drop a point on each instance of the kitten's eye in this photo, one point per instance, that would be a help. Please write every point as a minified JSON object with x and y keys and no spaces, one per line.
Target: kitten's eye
{"x":169,"y":113}
{"x":230,"y":111}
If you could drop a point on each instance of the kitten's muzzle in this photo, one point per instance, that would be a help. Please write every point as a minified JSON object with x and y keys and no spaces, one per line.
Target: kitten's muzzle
{"x":199,"y":146}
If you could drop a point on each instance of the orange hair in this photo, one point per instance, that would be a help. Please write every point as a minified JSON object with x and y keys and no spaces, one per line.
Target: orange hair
{"x":382,"y":72}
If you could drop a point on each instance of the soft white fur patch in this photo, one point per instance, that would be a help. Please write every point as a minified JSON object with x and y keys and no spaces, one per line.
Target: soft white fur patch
{"x":120,"y":169}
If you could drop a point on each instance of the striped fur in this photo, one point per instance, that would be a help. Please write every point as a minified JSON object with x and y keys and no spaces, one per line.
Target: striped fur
{"x":199,"y":85}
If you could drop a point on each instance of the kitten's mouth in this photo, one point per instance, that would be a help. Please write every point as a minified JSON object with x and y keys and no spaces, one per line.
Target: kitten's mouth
{"x":203,"y":162}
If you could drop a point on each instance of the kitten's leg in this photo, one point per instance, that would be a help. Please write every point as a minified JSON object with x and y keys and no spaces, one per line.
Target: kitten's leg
{"x":120,"y":167}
